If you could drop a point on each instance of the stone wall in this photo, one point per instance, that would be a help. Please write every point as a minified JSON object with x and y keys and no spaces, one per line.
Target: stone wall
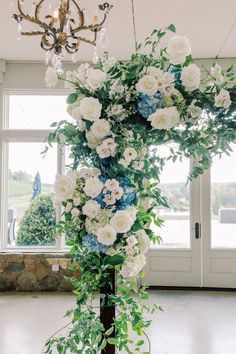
{"x":35,"y":272}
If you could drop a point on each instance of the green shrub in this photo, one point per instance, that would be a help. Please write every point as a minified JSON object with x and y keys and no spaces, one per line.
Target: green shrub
{"x":37,"y":227}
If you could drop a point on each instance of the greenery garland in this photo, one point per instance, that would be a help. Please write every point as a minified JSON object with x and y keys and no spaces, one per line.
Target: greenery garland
{"x":124,"y":111}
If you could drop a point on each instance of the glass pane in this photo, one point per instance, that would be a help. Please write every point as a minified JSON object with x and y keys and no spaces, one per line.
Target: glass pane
{"x":223,"y":201}
{"x":31,"y":215}
{"x":176,"y":229}
{"x":36,"y":112}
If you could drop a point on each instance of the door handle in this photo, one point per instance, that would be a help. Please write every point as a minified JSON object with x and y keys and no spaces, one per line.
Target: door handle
{"x":197,"y":230}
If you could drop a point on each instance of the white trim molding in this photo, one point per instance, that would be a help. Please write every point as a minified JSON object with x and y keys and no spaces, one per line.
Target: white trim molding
{"x":2,"y":69}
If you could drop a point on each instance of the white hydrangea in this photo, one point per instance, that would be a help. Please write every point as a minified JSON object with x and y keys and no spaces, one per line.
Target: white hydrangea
{"x":143,"y":241}
{"x":133,"y":266}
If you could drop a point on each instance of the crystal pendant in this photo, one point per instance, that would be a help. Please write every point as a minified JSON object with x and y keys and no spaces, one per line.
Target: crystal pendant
{"x":18,"y":32}
{"x":57,"y":64}
{"x":47,"y":57}
{"x":103,"y":40}
{"x":95,"y":56}
{"x":74,"y":57}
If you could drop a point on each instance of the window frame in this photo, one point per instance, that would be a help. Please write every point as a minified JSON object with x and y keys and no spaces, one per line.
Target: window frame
{"x":24,"y":136}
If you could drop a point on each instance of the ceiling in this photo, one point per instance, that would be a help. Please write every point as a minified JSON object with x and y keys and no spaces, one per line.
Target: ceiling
{"x":206,"y":23}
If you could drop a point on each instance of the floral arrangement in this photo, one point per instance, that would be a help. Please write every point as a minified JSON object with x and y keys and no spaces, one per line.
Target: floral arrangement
{"x":123,"y":111}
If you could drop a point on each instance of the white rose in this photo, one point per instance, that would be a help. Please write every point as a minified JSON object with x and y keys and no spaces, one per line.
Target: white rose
{"x":95,"y":78}
{"x":51,"y":77}
{"x":178,"y":49}
{"x":147,"y":85}
{"x":190,"y":77}
{"x":70,"y":77}
{"x":91,"y":209}
{"x":64,"y":187}
{"x":223,"y":99}
{"x":93,"y":142}
{"x":109,"y":199}
{"x":75,"y":212}
{"x":162,"y":118}
{"x":143,"y":241}
{"x":103,"y":151}
{"x":111,"y":184}
{"x":73,"y":174}
{"x":132,"y":212}
{"x":106,"y":235}
{"x":130,"y":154}
{"x":216,"y":72}
{"x":76,"y":114}
{"x":138,"y":165}
{"x":121,"y":221}
{"x":168,"y":78}
{"x":93,"y":187}
{"x":90,"y":108}
{"x":100,"y":128}
{"x":193,"y":110}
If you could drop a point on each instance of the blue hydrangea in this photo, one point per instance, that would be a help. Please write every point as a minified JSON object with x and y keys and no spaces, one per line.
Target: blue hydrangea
{"x":92,"y":244}
{"x":149,"y":104}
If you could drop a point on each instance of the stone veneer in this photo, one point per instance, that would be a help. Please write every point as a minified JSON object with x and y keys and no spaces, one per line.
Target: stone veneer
{"x":33,"y":272}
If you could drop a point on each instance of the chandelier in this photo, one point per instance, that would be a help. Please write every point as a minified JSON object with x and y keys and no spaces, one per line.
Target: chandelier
{"x":62,"y":31}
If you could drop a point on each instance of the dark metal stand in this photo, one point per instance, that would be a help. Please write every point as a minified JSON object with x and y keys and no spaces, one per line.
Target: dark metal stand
{"x":107,"y":313}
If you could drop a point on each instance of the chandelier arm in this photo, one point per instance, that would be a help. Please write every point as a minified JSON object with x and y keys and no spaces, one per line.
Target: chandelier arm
{"x":81,"y":14}
{"x":30,"y":18}
{"x":32,"y":33}
{"x":45,"y":44}
{"x":88,"y":40}
{"x":37,"y":13}
{"x":90,"y":27}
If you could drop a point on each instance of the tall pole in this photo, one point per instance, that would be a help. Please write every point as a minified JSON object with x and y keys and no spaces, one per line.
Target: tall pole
{"x":107,"y":313}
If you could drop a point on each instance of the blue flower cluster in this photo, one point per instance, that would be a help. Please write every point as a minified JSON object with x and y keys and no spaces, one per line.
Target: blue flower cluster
{"x":126,"y":200}
{"x":90,"y":241}
{"x":149,"y":104}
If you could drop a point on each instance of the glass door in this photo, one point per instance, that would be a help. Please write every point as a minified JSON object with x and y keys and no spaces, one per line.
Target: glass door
{"x":219,"y":222}
{"x":175,"y":261}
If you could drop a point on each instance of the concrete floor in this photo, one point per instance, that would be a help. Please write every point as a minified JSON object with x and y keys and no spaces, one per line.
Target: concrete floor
{"x":192,"y":323}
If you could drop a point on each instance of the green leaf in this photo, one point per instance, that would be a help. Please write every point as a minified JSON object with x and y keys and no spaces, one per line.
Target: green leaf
{"x":172,"y":28}
{"x":72,"y":98}
{"x":104,"y":343}
{"x":114,"y":260}
{"x":109,"y":331}
{"x":112,"y":341}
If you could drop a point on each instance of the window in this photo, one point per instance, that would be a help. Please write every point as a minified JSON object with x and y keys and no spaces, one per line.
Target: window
{"x":27,"y":176}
